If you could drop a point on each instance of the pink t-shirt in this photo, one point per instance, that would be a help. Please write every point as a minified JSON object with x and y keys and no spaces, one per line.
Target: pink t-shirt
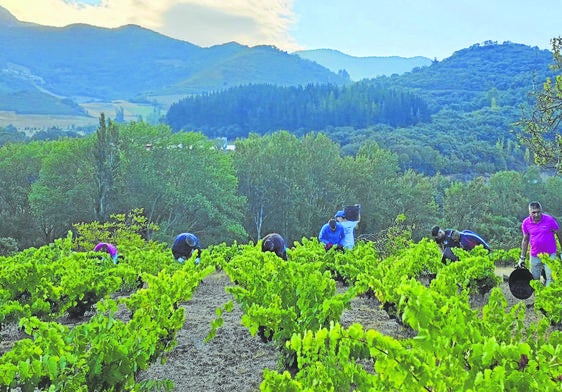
{"x":541,"y":234}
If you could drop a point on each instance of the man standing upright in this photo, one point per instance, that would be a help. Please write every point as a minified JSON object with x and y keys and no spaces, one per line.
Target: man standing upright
{"x":349,"y":226}
{"x":540,"y":231}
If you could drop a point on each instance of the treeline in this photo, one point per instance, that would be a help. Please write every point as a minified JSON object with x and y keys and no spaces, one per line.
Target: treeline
{"x":462,"y":145}
{"x":458,"y":144}
{"x":282,"y":183}
{"x":265,"y":108}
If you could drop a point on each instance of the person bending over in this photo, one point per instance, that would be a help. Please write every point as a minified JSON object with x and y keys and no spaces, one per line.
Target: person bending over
{"x":184,"y":245}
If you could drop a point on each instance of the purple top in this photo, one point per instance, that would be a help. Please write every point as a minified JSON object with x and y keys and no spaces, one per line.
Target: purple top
{"x":541,"y":234}
{"x":106,"y":247}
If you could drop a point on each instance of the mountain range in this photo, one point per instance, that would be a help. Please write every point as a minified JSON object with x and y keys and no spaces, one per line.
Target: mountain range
{"x":360,"y":68}
{"x":54,"y":70}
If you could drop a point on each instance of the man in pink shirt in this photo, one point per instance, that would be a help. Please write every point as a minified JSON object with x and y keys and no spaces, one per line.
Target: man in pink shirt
{"x":540,"y":231}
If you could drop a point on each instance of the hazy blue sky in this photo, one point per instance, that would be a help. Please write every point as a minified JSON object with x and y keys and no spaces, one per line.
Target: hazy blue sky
{"x":430,"y":28}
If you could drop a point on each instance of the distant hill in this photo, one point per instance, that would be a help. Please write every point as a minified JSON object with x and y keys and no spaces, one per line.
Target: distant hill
{"x":86,"y":63}
{"x":481,"y":75}
{"x":363,"y":67}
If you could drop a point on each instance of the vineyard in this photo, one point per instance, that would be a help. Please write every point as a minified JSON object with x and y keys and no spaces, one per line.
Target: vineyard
{"x":85,"y":323}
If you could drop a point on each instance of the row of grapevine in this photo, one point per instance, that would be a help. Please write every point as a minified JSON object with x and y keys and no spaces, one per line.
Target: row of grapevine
{"x":453,"y":346}
{"x":126,"y":315}
{"x":294,"y":304}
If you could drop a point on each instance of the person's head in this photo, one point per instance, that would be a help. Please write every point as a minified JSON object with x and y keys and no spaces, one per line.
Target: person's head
{"x":332,"y":223}
{"x":438,"y":234}
{"x":535,"y":211}
{"x":340,"y":215}
{"x":190,"y":240}
{"x":268,"y":244}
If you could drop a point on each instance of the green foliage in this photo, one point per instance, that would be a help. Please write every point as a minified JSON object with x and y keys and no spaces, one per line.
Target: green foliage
{"x":103,"y":352}
{"x":63,"y":188}
{"x":8,"y":246}
{"x":295,"y":304}
{"x":541,"y":127}
{"x":106,"y":158}
{"x":129,"y":228}
{"x":292,"y":184}
{"x":453,"y":347}
{"x":269,"y":108}
{"x":548,"y":297}
{"x":182,"y":182}
{"x":281,"y":298}
{"x":394,"y":238}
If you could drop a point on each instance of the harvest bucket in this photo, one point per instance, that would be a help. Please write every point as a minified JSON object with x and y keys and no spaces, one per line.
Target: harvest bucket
{"x":352,"y":212}
{"x":519,"y":283}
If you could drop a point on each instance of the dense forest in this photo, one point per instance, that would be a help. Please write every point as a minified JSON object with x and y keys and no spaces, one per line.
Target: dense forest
{"x":282,"y":183}
{"x":265,"y":108}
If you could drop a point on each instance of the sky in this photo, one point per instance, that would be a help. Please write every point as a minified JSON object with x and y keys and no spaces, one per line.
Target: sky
{"x":361,"y":28}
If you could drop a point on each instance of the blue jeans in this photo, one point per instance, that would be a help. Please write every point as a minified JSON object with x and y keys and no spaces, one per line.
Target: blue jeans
{"x":536,"y":268}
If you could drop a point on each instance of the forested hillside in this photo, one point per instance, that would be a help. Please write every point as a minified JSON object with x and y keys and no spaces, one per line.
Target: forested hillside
{"x":264,"y":108}
{"x":80,"y":63}
{"x":455,"y":117}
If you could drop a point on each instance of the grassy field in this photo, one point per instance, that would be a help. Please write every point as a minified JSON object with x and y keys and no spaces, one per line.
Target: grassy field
{"x":36,"y":122}
{"x":30,"y":123}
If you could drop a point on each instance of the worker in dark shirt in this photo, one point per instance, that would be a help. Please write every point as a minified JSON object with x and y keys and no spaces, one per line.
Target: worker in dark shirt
{"x":450,"y":238}
{"x":273,"y":242}
{"x":184,"y":245}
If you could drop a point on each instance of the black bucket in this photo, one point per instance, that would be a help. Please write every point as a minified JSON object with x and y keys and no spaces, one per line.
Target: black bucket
{"x":352,"y":212}
{"x":519,"y":283}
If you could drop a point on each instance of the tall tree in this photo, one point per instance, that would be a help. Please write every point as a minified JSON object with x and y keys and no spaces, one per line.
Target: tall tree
{"x":19,"y":169}
{"x":182,"y":182}
{"x":106,"y":154}
{"x":541,"y":128}
{"x":64,"y":192}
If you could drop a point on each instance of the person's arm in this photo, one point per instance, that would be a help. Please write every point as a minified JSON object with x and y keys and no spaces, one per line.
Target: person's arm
{"x":559,"y":236}
{"x":338,"y":237}
{"x":524,"y":248}
{"x":321,"y":237}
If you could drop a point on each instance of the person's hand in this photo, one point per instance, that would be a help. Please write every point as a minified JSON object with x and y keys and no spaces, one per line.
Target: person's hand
{"x":181,"y":259}
{"x":197,"y":260}
{"x":328,"y":246}
{"x":521,"y":262}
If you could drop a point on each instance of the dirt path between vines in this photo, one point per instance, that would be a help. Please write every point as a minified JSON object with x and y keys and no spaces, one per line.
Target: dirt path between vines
{"x":234,"y":360}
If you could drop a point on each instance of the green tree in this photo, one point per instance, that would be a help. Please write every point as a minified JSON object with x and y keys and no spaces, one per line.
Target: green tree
{"x":466,"y":204}
{"x":19,"y":169}
{"x":541,"y":127}
{"x":106,"y":154}
{"x":292,"y":185}
{"x":415,"y":200}
{"x":369,"y":180}
{"x":65,"y":191}
{"x":182,"y":182}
